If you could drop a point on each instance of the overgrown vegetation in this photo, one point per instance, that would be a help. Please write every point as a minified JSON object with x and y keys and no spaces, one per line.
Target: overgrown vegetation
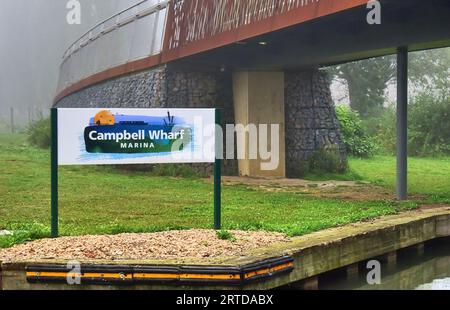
{"x":39,"y":133}
{"x":367,"y":80}
{"x":382,"y":128}
{"x":225,"y":235}
{"x":372,"y":116}
{"x":326,"y":160}
{"x":428,"y":127}
{"x":356,"y":140}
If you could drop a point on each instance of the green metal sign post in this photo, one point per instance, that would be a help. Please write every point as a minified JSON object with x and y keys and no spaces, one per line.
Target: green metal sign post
{"x":218,"y":178}
{"x":54,"y":173}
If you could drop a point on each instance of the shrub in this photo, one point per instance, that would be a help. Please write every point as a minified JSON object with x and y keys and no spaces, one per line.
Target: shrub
{"x":327,"y":160}
{"x":356,"y":140}
{"x":384,"y":131}
{"x":429,"y":126}
{"x":39,"y":134}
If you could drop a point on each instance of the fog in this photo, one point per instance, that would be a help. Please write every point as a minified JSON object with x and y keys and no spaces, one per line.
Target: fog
{"x":33,"y":37}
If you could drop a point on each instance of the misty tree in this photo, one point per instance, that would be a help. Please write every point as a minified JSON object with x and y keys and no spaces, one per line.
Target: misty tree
{"x":430,"y":72}
{"x":367,"y":80}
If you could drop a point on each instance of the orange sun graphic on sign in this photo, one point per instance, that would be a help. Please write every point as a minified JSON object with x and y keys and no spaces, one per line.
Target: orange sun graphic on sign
{"x":104,"y":118}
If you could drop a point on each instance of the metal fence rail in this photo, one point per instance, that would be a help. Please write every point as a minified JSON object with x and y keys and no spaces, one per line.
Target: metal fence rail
{"x":134,"y":33}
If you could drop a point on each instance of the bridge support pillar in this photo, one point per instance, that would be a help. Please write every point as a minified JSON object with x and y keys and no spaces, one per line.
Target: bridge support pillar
{"x":311,"y":121}
{"x":420,"y":249}
{"x":402,"y":124}
{"x":310,"y":284}
{"x":259,"y":99}
{"x":391,"y":261}
{"x":353,"y":272}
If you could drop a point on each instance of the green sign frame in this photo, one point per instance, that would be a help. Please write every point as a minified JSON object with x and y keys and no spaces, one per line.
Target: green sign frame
{"x":55,"y":176}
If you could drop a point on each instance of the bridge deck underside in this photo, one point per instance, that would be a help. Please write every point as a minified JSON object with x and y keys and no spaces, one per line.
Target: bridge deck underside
{"x":342,"y":37}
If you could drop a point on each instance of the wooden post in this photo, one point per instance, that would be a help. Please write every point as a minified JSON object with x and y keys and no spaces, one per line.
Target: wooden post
{"x":12,"y":120}
{"x":30,"y":118}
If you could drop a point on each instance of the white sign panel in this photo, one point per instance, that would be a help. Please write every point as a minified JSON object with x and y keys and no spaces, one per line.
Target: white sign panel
{"x":135,"y":136}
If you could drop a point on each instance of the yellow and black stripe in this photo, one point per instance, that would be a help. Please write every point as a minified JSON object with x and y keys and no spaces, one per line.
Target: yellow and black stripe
{"x":173,"y":275}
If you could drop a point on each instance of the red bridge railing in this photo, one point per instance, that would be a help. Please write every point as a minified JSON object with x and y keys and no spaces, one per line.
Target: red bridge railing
{"x":194,"y":20}
{"x":213,"y":23}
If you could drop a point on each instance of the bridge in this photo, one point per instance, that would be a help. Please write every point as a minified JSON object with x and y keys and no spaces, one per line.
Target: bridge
{"x":258,"y":59}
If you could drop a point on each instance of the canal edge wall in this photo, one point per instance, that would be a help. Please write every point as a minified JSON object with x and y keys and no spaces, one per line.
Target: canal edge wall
{"x":313,"y":254}
{"x":335,"y":248}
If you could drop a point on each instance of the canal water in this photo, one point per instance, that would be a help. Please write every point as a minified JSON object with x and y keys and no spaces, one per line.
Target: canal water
{"x":413,"y":271}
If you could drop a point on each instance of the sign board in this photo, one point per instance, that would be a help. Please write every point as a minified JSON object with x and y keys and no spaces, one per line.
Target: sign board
{"x":135,"y":136}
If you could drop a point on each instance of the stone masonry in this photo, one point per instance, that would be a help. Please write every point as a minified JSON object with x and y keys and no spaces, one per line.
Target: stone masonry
{"x":311,"y":121}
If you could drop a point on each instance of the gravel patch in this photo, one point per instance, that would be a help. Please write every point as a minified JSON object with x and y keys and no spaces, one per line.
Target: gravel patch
{"x":161,"y":245}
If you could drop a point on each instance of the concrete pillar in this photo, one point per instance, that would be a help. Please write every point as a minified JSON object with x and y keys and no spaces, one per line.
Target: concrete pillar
{"x":402,"y":124}
{"x":259,"y":99}
{"x":391,"y":261}
{"x":420,"y":249}
{"x":353,"y":272}
{"x":310,"y":284}
{"x":391,"y":257}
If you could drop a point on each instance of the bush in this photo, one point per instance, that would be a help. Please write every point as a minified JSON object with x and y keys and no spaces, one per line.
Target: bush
{"x":39,"y":134}
{"x":356,"y":140}
{"x":327,"y":160}
{"x":429,"y":126}
{"x":383,"y":129}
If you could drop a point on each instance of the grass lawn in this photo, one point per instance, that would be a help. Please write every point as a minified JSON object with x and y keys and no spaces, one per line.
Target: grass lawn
{"x":102,"y":200}
{"x":427,"y":176}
